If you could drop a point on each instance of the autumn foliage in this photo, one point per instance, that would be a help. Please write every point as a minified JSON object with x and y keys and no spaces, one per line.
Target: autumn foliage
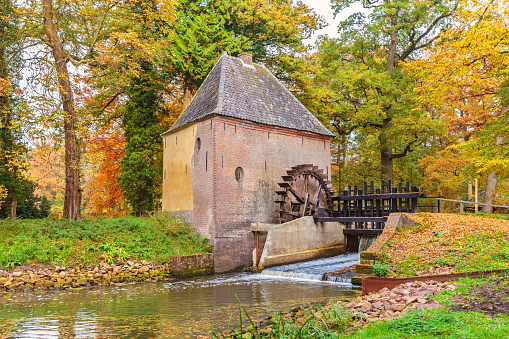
{"x":104,"y":153}
{"x":466,"y":242}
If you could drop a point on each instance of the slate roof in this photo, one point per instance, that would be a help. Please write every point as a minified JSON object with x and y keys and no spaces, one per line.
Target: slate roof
{"x":249,"y":92}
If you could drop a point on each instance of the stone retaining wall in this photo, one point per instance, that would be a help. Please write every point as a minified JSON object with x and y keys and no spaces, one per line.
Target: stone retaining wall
{"x":190,"y":265}
{"x":298,"y":240}
{"x":32,"y":278}
{"x":394,"y":221}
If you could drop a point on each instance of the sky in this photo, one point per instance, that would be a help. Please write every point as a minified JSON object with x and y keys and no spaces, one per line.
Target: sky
{"x":323,"y":8}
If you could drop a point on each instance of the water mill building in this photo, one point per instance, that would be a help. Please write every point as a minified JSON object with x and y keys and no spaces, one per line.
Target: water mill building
{"x":224,"y":156}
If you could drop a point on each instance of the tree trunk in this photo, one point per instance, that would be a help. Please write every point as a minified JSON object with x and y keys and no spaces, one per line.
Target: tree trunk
{"x":14,"y":203}
{"x":489,"y":192}
{"x":188,"y":94}
{"x":492,"y":180}
{"x":386,"y":160}
{"x":391,"y":58}
{"x":72,"y":200}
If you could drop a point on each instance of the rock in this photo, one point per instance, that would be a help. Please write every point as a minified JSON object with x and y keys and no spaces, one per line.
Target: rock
{"x":421,"y":301}
{"x":144,"y":269}
{"x":82,"y":282}
{"x":61,"y":275}
{"x":409,"y":299}
{"x":8,"y":282}
{"x":48,"y":283}
{"x":17,"y":274}
{"x":398,"y":307}
{"x":450,"y":288}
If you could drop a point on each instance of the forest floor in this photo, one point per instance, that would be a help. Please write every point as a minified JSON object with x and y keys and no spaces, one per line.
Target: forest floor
{"x":447,"y":243}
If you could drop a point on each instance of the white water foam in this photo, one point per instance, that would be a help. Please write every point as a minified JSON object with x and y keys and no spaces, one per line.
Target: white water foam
{"x":315,"y":269}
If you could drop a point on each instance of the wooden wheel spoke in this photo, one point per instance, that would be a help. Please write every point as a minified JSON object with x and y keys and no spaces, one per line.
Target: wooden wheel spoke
{"x":306,"y":189}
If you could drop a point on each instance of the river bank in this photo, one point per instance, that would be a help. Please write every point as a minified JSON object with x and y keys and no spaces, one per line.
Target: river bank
{"x":59,"y":242}
{"x":30,"y":278}
{"x":467,"y":308}
{"x":59,"y":254}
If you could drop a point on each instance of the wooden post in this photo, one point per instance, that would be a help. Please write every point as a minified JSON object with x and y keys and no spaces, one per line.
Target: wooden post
{"x":462,"y":208}
{"x":257,"y":248}
{"x":476,"y":195}
{"x":469,"y":190}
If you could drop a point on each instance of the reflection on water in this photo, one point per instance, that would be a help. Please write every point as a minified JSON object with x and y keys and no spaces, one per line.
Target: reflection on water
{"x":155,"y":310}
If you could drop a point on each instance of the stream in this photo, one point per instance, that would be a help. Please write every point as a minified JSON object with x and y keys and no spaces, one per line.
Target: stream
{"x":174,"y":309}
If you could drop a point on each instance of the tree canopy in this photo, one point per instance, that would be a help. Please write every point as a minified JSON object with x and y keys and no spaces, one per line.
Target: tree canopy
{"x":412,"y":90}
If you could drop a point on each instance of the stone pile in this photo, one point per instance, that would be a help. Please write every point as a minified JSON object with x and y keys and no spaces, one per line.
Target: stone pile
{"x":437,"y":269}
{"x":388,"y":304}
{"x":30,"y":278}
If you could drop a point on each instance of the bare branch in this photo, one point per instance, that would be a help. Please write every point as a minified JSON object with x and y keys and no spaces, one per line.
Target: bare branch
{"x":78,"y":63}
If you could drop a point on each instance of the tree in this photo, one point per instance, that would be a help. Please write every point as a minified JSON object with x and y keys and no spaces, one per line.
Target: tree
{"x":12,"y":165}
{"x":272,"y":30}
{"x":464,"y":77}
{"x":105,"y":152}
{"x":74,"y":33}
{"x":69,"y":35}
{"x":142,"y":163}
{"x":368,"y":89}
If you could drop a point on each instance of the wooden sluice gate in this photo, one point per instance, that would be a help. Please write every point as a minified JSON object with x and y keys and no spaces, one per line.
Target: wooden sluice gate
{"x":365,"y":211}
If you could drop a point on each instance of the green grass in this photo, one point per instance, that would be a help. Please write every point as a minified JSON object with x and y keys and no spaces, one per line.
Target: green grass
{"x":88,"y":241}
{"x":438,"y":323}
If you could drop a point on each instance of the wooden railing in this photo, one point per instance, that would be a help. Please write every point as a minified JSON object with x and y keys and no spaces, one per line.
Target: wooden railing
{"x":366,"y":210}
{"x":464,"y":203}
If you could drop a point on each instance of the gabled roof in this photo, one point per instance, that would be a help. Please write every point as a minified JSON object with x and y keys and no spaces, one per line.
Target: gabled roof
{"x":249,"y":92}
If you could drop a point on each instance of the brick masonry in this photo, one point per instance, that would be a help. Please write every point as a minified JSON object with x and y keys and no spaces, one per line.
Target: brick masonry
{"x":224,"y":208}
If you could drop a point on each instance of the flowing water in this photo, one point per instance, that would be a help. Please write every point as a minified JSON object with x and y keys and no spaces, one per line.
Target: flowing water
{"x":365,"y":242}
{"x":177,"y":309}
{"x":315,"y":269}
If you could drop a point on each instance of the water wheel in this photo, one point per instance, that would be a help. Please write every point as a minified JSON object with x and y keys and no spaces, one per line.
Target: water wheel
{"x":304,"y":189}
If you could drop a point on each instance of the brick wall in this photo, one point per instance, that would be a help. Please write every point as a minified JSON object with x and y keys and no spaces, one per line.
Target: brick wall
{"x":264,"y":153}
{"x":202,"y":178}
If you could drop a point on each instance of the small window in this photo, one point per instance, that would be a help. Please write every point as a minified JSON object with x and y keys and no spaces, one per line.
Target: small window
{"x":198,"y":144}
{"x":239,"y":174}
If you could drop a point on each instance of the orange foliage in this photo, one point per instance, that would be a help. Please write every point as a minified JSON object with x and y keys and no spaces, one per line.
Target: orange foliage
{"x":105,"y":151}
{"x":443,"y":173}
{"x":47,"y":170}
{"x":422,"y":243}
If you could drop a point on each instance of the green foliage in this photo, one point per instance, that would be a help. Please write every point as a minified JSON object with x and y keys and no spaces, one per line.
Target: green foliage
{"x":141,"y":166}
{"x":381,"y":270}
{"x":28,"y":205}
{"x":54,"y":241}
{"x":202,"y":31}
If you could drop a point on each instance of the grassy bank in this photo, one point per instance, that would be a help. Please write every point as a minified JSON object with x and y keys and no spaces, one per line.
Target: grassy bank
{"x":89,"y":241}
{"x":466,"y":242}
{"x":461,"y":317}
